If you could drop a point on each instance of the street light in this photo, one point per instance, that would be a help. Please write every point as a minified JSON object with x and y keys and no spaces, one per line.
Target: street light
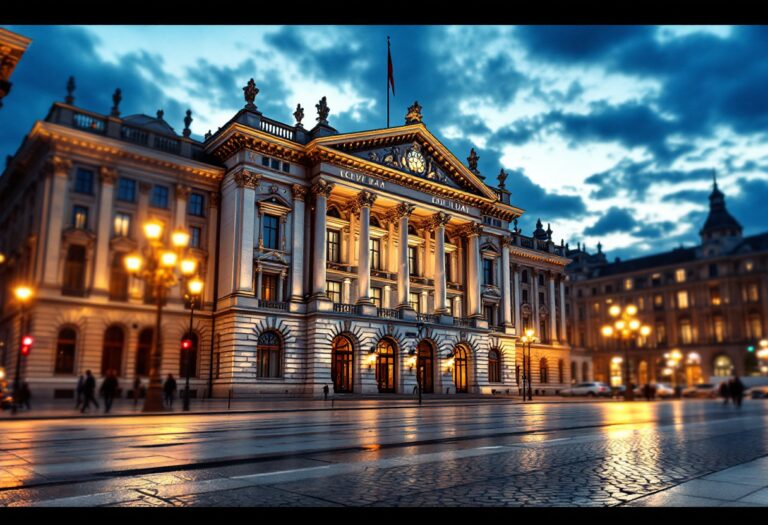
{"x":159,"y":266}
{"x":194,"y":288}
{"x":527,"y":340}
{"x":625,"y":328}
{"x":762,"y":354}
{"x":23,"y":295}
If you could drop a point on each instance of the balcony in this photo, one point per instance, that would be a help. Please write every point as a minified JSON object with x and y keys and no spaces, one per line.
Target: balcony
{"x":277,"y":129}
{"x":388,"y":313}
{"x":88,"y":123}
{"x":273,"y":305}
{"x":343,"y":308}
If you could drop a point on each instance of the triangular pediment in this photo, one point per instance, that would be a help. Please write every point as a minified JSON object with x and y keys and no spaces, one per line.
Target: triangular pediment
{"x":412,"y":150}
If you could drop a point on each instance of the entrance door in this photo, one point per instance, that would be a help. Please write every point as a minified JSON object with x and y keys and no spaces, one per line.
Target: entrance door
{"x":424,"y":370}
{"x":460,"y":370}
{"x":342,"y":365}
{"x":385,"y":366}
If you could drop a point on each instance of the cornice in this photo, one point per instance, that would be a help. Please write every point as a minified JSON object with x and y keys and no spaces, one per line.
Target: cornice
{"x":239,"y":137}
{"x":538,"y":256}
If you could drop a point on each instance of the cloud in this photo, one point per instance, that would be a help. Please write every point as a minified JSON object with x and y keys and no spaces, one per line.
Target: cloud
{"x":614,"y":220}
{"x":579,"y":43}
{"x":635,"y":178}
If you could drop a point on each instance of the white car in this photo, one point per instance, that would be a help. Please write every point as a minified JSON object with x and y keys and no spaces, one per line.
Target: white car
{"x":663,"y":390}
{"x":592,"y":389}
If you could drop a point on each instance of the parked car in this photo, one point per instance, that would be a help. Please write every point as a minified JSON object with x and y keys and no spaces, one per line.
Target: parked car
{"x":663,"y":390}
{"x":758,"y":392}
{"x":703,"y":390}
{"x":592,"y":389}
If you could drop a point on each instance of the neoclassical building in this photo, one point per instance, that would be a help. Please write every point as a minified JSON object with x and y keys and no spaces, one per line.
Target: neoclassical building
{"x":369,"y":262}
{"x":709,"y":302}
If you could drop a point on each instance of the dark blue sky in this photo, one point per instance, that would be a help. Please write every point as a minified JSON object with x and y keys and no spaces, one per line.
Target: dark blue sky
{"x":607,"y":133}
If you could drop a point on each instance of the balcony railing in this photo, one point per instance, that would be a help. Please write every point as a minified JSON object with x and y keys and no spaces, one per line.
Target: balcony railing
{"x":273,"y":305}
{"x":428,"y":318}
{"x":276,"y":128}
{"x":169,"y":145}
{"x":388,"y":313}
{"x":88,"y":123}
{"x":135,"y":135}
{"x":342,"y":308}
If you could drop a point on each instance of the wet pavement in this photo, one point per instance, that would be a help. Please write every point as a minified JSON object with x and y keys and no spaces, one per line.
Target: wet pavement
{"x":473,"y":453}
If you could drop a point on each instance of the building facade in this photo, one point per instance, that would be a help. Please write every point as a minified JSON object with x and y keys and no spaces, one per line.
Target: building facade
{"x":369,"y":262}
{"x":12,"y":47}
{"x":709,"y":302}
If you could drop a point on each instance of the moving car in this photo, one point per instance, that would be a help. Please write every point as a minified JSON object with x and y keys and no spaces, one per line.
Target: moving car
{"x":663,"y":390}
{"x":703,"y":390}
{"x":591,"y":389}
{"x":758,"y":392}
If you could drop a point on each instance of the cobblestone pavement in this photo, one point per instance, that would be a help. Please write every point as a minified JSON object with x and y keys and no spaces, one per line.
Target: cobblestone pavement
{"x":593,"y":455}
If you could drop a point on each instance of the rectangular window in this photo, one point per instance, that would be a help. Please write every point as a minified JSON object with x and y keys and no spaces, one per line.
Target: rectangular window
{"x":525,"y":296}
{"x":686,"y":335}
{"x":449,"y":307}
{"x":641,"y":303}
{"x":84,"y":181}
{"x":375,"y":247}
{"x":490,"y":315}
{"x":627,"y":284}
{"x":159,"y":197}
{"x":658,"y":301}
{"x":719,"y":329}
{"x":713,"y":270}
{"x":333,"y":289}
{"x":413,"y":258}
{"x":126,"y":190}
{"x":334,"y":245}
{"x":752,"y":293}
{"x":195,"y":236}
{"x":80,"y":217}
{"x":541,"y":298}
{"x":122,"y":225}
{"x":274,"y":164}
{"x":656,"y":279}
{"x":74,"y":271}
{"x":714,"y":296}
{"x":680,"y":275}
{"x":195,"y":205}
{"x":269,"y":287}
{"x":682,"y":299}
{"x":413,"y":300}
{"x":286,"y":167}
{"x":661,"y":333}
{"x":265,"y":161}
{"x":270,"y":231}
{"x":755,"y":327}
{"x":376,"y":296}
{"x":487,"y":271}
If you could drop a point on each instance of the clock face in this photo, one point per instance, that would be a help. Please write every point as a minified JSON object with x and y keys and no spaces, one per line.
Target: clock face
{"x":416,"y":162}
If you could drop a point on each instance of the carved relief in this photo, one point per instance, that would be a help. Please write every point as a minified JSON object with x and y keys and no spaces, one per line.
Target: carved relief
{"x":322,"y":188}
{"x":58,"y":164}
{"x":401,"y":210}
{"x":213,"y":200}
{"x":365,"y":198}
{"x":247,"y":179}
{"x":438,"y":220}
{"x":144,"y":187}
{"x":470,"y":229}
{"x":299,"y":192}
{"x":182,"y":191}
{"x":107,"y":175}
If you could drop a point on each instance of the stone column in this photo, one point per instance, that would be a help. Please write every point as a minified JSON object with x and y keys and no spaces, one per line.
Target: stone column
{"x":365,"y":200}
{"x":518,"y":319}
{"x":351,"y":242}
{"x":401,"y":213}
{"x":210,"y":271}
{"x":321,"y":191}
{"x":563,"y":336}
{"x":472,"y":232}
{"x":346,"y":290}
{"x":506,"y":290}
{"x":182,"y":194}
{"x":258,"y":282}
{"x":297,"y":243}
{"x":391,"y":253}
{"x":439,"y":220}
{"x":103,"y":228}
{"x":386,"y":301}
{"x":427,"y":266}
{"x":424,"y":301}
{"x":58,"y":168}
{"x":535,"y":302}
{"x":552,"y":309}
{"x":247,"y":182}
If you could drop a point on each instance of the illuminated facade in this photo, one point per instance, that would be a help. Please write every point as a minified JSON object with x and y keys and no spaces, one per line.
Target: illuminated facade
{"x":369,"y":262}
{"x":706,"y":304}
{"x":12,"y":47}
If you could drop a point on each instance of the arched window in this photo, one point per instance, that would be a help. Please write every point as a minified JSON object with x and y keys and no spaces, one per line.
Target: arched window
{"x":560,"y":371}
{"x":342,"y":356}
{"x":543,"y":371}
{"x":143,"y":351}
{"x":461,"y":369}
{"x":494,"y":367}
{"x":268,"y":351}
{"x":189,"y":356}
{"x":66,"y":344}
{"x":118,"y":279}
{"x":723,"y":365}
{"x":112,"y":354}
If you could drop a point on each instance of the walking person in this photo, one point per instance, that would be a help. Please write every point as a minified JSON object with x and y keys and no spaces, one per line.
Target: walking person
{"x":725,"y":392}
{"x":109,"y":390}
{"x":79,"y":391}
{"x":89,"y":388}
{"x":136,"y":390}
{"x":736,"y":388}
{"x":169,"y":389}
{"x":325,"y":392}
{"x":24,"y":395}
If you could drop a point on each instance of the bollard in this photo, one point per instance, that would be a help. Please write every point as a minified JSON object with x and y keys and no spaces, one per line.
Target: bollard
{"x":229,"y":399}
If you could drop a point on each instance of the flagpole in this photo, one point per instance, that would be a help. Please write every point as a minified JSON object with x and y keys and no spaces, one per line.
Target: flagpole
{"x":388,"y":55}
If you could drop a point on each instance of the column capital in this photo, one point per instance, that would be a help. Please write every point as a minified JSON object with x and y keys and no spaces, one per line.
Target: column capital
{"x":438,"y":220}
{"x":247,"y":179}
{"x":299,"y":192}
{"x":507,"y":242}
{"x":469,"y":230}
{"x":322,"y":188}
{"x":144,"y":187}
{"x":107,"y":175}
{"x":57,"y":164}
{"x":401,"y":210}
{"x":365,"y":199}
{"x":213,"y":199}
{"x":183,"y":191}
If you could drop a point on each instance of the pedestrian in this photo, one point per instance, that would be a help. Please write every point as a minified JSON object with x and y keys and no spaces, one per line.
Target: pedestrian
{"x":109,"y":389}
{"x":325,"y":392}
{"x":647,"y":392}
{"x":79,"y":391}
{"x":169,"y":389}
{"x":136,"y":390}
{"x":89,"y":388}
{"x":24,"y":395}
{"x":725,"y":392}
{"x":653,"y":392}
{"x":736,"y":389}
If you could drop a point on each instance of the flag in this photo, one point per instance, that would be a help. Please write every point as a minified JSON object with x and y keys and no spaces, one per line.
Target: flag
{"x":390,"y":70}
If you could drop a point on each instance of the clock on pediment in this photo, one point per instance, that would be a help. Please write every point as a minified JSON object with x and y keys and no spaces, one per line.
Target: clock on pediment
{"x":415,"y":160}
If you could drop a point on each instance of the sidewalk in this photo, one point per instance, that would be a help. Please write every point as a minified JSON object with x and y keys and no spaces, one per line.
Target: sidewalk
{"x":65,"y":409}
{"x":744,"y":485}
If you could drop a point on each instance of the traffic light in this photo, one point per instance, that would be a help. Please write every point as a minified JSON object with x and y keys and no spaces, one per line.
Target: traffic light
{"x":186,"y":344}
{"x":26,"y":344}
{"x":750,"y":348}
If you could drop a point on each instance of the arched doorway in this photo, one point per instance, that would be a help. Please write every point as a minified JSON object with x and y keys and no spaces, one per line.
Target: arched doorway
{"x":425,"y":367}
{"x":342,"y":364}
{"x":460,"y":370}
{"x":723,"y":366}
{"x":386,"y":352}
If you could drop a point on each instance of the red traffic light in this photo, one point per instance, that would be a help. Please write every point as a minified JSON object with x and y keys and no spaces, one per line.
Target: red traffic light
{"x":27,"y":340}
{"x":186,"y":344}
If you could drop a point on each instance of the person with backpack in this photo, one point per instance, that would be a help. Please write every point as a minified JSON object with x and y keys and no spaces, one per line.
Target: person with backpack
{"x":109,"y":390}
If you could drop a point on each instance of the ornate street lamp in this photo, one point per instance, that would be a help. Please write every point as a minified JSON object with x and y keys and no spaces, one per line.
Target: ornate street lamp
{"x":527,"y":340}
{"x":158,"y":266}
{"x":23,"y":295}
{"x":625,"y":328}
{"x":194,"y":289}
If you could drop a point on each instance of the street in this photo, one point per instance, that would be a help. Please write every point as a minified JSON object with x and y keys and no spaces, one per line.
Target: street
{"x":471,"y":454}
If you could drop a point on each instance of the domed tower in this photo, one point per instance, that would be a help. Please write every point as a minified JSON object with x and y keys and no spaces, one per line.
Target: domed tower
{"x":721,"y":230}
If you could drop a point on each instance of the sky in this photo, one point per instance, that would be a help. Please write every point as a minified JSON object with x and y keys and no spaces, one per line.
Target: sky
{"x":610,"y":134}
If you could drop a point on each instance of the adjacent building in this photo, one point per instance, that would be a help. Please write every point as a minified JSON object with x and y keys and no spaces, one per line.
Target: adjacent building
{"x":709,"y":302}
{"x":12,"y":47}
{"x":370,"y":261}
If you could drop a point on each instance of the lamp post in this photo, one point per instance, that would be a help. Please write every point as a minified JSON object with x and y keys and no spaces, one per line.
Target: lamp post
{"x":625,"y":328}
{"x":194,"y":289}
{"x":527,"y":340}
{"x":23,"y":295}
{"x":158,"y":266}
